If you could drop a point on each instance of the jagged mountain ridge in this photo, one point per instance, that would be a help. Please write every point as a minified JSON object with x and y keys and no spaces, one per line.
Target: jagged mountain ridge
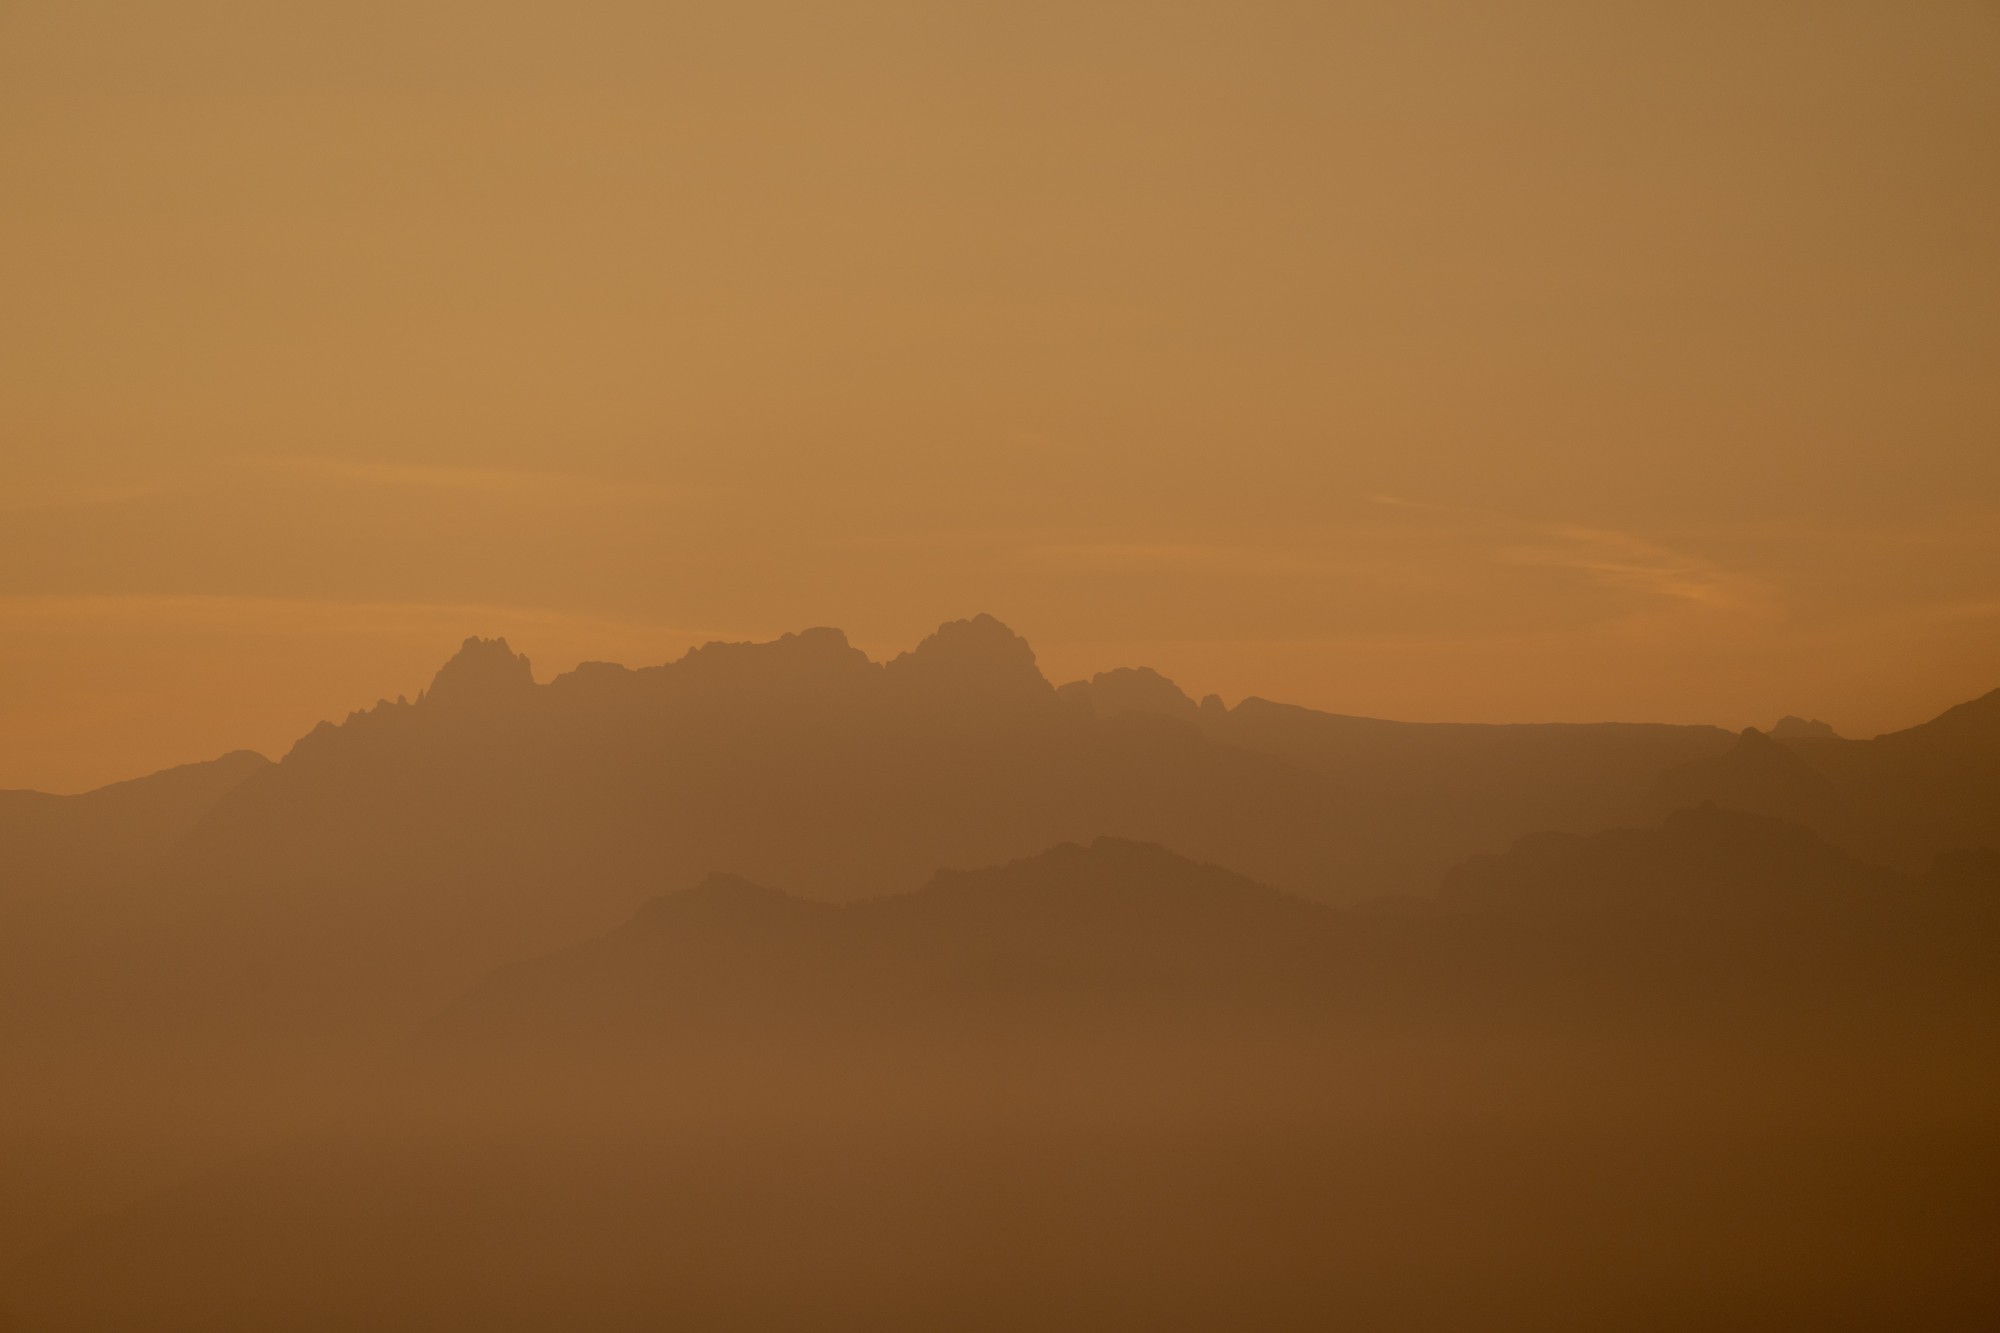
{"x":496,"y":814}
{"x":419,"y":843}
{"x":972,"y":692}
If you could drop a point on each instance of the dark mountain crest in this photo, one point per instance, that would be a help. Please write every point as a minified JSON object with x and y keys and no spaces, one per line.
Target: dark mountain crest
{"x":1700,"y":859}
{"x":804,"y":654}
{"x":1133,"y":690}
{"x":226,"y":769}
{"x":1757,"y":774}
{"x":1803,"y":729}
{"x":1975,"y":722}
{"x":484,"y":672}
{"x":1069,"y":870}
{"x":723,"y":899}
{"x":1137,"y":883}
{"x":979,"y":657}
{"x":1107,"y":852}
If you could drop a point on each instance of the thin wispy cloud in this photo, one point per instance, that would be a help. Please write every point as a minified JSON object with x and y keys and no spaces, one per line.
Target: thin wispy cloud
{"x":510,"y":483}
{"x":1608,"y":557}
{"x":1978,"y":609}
{"x":1190,"y":558}
{"x":24,"y":499}
{"x":344,"y":618}
{"x":1627,"y":561}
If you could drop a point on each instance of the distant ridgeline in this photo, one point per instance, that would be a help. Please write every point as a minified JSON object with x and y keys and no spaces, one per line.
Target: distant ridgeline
{"x":495,"y":813}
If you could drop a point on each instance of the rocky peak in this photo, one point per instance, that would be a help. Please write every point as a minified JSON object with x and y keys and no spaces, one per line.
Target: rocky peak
{"x":977,"y":658}
{"x":821,"y":653}
{"x":1137,"y":690}
{"x":1803,"y":729}
{"x":484,"y":672}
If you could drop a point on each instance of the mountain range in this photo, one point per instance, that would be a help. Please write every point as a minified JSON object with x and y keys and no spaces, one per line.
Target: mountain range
{"x":777,"y":986}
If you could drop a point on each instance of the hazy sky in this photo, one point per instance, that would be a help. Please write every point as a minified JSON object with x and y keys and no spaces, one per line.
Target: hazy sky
{"x":1556,"y":359}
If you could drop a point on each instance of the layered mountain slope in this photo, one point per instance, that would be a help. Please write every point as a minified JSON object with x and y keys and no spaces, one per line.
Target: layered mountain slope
{"x":1709,"y":864}
{"x":1901,"y":798}
{"x":1428,"y":794}
{"x":54,"y":844}
{"x":1104,"y":1086}
{"x":1710,"y":904}
{"x":1047,"y":939}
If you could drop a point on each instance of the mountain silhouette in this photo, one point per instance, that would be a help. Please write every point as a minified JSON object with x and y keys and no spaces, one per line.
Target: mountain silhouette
{"x":976,"y":662}
{"x":494,"y":813}
{"x":1134,"y":690}
{"x":484,"y":674}
{"x":1432,"y":988}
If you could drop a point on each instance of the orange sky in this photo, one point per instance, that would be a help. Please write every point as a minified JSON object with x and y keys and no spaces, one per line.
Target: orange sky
{"x":1549,"y":360}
